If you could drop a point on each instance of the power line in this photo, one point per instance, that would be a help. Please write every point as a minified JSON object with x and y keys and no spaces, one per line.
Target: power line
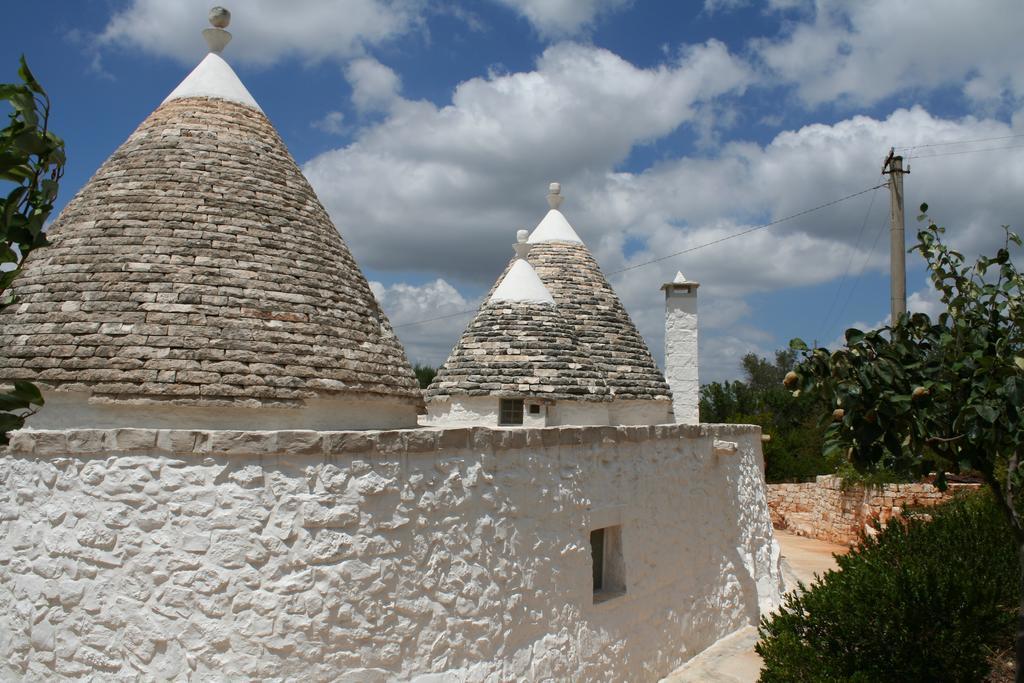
{"x":863,"y":267}
{"x":748,"y":230}
{"x":962,"y":142}
{"x":967,"y":151}
{"x":684,"y":251}
{"x":849,"y":263}
{"x":440,"y":317}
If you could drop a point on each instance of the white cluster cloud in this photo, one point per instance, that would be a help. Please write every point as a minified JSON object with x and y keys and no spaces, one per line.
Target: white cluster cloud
{"x":554,"y":18}
{"x":408,"y":306}
{"x":333,"y":122}
{"x":442,"y":189}
{"x":692,"y":201}
{"x":375,"y":87}
{"x":265,"y":31}
{"x":448,"y":186}
{"x":867,"y":50}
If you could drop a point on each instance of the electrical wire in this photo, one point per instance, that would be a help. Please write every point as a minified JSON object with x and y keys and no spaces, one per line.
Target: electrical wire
{"x":961,"y":142}
{"x":863,"y":267}
{"x":842,"y":281}
{"x":967,"y":151}
{"x":747,"y":231}
{"x":683,"y":251}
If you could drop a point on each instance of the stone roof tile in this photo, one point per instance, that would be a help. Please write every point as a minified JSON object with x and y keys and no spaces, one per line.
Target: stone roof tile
{"x":200,"y":240}
{"x":519,"y":349}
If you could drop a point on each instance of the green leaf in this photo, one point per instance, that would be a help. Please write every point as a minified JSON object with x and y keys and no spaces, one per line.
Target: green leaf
{"x":28,"y":392}
{"x":10,"y":422}
{"x":987,"y":413}
{"x":26,"y":75}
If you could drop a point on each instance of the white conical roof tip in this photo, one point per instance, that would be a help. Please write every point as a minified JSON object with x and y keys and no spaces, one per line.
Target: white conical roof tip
{"x":522,"y":284}
{"x":214,"y":77}
{"x":554,"y":227}
{"x":680,"y":278}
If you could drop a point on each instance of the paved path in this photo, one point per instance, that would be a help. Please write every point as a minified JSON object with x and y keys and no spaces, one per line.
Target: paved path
{"x":732,"y":659}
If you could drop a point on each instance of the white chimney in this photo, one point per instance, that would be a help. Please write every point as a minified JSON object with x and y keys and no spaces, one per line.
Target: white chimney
{"x":681,"y":348}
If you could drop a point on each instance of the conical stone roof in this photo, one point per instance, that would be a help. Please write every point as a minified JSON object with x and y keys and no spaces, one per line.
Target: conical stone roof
{"x":198,"y":266}
{"x":519,"y":345}
{"x":583,"y":295}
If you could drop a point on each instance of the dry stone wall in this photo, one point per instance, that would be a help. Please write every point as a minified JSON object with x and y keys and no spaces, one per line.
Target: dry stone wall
{"x":455,"y":555}
{"x":825,"y":510}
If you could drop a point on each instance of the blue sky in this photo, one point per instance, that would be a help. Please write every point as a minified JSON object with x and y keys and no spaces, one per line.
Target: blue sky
{"x":430,"y":130}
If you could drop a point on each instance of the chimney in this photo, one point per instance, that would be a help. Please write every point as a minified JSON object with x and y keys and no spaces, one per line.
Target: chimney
{"x":681,"y":348}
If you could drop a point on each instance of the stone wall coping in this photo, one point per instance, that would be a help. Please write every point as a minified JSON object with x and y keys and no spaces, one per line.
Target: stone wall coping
{"x":180,"y":442}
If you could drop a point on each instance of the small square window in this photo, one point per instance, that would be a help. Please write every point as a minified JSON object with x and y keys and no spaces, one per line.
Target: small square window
{"x":609,"y":571}
{"x":534,"y":409}
{"x":510,"y":411}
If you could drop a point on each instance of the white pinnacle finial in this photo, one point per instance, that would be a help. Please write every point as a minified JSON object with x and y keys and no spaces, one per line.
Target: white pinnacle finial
{"x":217,"y":38}
{"x":521,"y":246}
{"x":680,"y":278}
{"x":555,"y":195}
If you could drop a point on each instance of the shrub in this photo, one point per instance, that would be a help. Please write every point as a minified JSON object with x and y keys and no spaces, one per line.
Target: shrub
{"x":922,"y":601}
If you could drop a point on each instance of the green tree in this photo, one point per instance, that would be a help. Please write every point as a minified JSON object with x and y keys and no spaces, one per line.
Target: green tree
{"x":946,"y":396}
{"x":424,"y":374}
{"x":31,"y":165}
{"x":795,"y":448}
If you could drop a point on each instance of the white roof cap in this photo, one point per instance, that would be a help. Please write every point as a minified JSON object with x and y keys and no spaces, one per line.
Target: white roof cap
{"x":214,"y":78}
{"x":554,"y":227}
{"x":521,"y":284}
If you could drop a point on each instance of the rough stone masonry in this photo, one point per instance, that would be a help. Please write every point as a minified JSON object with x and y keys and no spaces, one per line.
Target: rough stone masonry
{"x":455,"y":554}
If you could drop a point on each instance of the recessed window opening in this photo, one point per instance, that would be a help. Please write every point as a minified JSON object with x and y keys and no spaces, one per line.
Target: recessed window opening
{"x":510,"y":411}
{"x":609,"y":570}
{"x":534,"y":409}
{"x":597,"y":557}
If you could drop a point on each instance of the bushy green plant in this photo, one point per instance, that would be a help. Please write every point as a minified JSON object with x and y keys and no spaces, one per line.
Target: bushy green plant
{"x":922,"y":601}
{"x":796,"y":428}
{"x":424,"y":375}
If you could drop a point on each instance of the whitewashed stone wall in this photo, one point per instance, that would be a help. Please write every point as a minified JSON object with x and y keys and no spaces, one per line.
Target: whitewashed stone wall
{"x":455,"y":555}
{"x":474,"y":411}
{"x":681,"y":361}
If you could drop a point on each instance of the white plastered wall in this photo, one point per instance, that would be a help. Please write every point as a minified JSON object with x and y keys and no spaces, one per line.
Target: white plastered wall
{"x":478,"y":411}
{"x":640,"y":412}
{"x":375,"y":556}
{"x":71,"y":410}
{"x":566,"y":413}
{"x":482,"y":411}
{"x":681,"y":362}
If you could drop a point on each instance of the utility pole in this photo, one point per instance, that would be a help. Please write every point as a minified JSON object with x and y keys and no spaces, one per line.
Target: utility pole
{"x":893,"y":167}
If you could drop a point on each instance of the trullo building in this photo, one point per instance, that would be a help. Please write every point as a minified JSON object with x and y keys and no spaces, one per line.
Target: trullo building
{"x":221,"y":485}
{"x":197,"y":281}
{"x":602,"y":373}
{"x":519,"y":362}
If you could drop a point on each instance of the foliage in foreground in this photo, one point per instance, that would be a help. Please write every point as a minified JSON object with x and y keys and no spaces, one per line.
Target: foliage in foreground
{"x":31,"y":165}
{"x":925,"y":601}
{"x":938,"y":396}
{"x":794,"y":452}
